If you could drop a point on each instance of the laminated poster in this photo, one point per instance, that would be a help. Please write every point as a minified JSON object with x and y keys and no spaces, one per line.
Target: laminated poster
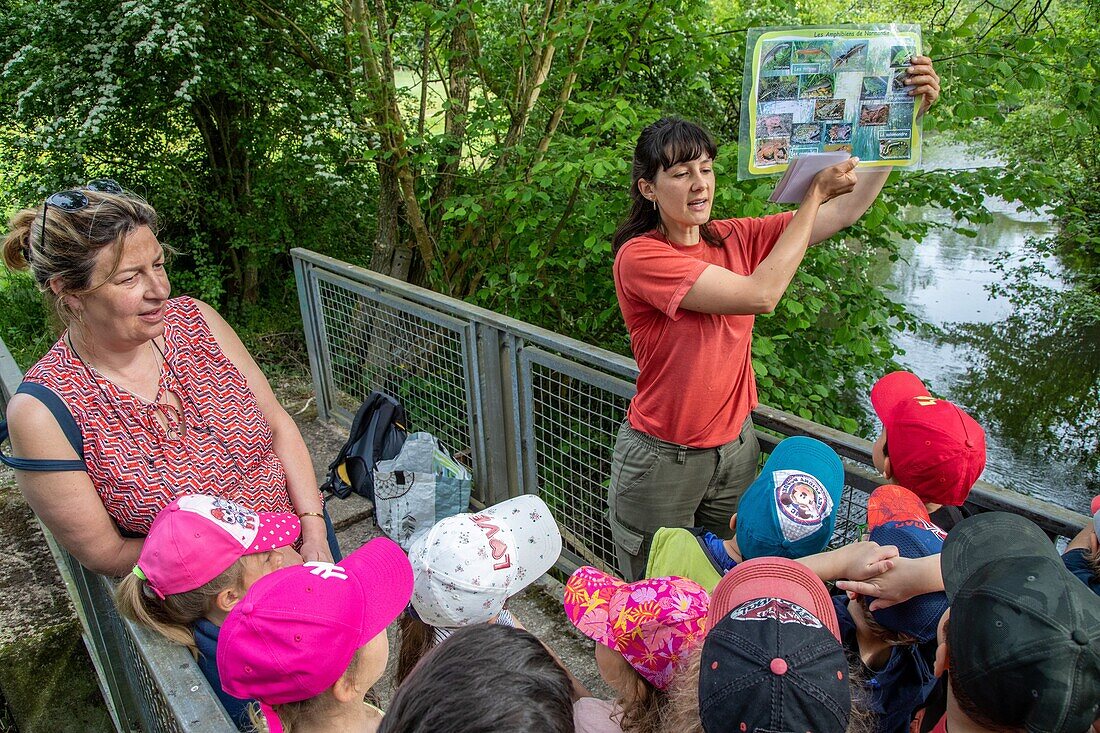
{"x":821,"y":89}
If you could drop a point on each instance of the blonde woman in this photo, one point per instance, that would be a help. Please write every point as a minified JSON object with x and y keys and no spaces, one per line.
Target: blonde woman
{"x":144,"y":397}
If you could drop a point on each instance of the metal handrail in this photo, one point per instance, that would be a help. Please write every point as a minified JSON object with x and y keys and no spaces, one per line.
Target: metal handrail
{"x":147,"y":682}
{"x":1054,"y":519}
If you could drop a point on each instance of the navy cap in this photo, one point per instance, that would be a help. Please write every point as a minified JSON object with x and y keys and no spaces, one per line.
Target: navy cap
{"x":772,"y":660}
{"x":771,"y":666}
{"x":919,"y":616}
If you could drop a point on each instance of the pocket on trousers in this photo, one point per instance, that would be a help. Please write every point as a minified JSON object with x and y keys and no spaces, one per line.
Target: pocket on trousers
{"x":631,"y":463}
{"x":625,"y":537}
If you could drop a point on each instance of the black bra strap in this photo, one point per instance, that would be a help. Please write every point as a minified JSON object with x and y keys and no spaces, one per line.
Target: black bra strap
{"x":68,"y":425}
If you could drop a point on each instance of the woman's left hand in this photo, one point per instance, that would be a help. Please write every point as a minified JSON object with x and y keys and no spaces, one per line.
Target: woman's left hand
{"x":315,"y":550}
{"x":923,"y":80}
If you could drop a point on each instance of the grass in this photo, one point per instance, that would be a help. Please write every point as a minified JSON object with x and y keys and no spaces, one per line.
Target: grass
{"x":408,"y":89}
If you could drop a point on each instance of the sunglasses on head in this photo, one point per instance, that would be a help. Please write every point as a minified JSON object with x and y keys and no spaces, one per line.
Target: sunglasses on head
{"x":75,"y":200}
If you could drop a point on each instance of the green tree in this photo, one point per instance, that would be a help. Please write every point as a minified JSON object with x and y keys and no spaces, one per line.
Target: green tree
{"x":480,"y":147}
{"x":188,"y":103}
{"x":1026,"y":79}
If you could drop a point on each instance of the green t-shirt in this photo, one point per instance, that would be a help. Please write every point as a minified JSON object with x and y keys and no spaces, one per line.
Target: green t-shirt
{"x":682,"y":552}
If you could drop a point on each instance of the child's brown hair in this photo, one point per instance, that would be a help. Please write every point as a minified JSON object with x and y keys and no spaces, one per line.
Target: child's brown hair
{"x":892,"y":638}
{"x":292,"y":714}
{"x":1093,"y":559}
{"x":416,"y":640}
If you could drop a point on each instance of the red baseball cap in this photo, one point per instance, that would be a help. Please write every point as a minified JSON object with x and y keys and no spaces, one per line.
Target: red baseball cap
{"x":777,"y":578}
{"x":936,"y":450}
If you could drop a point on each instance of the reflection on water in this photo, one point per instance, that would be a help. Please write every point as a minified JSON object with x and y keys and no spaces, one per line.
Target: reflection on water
{"x":1033,"y":383}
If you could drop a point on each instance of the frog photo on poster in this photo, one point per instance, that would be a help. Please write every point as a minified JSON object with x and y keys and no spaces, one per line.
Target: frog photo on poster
{"x":814,"y":89}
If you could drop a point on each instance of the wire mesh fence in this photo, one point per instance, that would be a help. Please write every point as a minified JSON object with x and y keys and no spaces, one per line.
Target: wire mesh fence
{"x":372,"y":333}
{"x":371,"y":345}
{"x":573,"y":428}
{"x":851,"y":517}
{"x":452,"y":363}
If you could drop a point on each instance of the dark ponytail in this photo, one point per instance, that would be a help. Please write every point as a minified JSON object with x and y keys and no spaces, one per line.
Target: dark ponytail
{"x":667,"y":142}
{"x":417,"y":639}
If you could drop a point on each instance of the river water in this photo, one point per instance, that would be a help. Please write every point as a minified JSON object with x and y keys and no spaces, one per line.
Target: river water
{"x":943,"y":280}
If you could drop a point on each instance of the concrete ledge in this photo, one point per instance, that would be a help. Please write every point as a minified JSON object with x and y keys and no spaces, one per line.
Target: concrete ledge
{"x":46,"y":678}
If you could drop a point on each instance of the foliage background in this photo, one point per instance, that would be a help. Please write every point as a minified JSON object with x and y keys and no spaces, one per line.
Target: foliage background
{"x":482,"y":147}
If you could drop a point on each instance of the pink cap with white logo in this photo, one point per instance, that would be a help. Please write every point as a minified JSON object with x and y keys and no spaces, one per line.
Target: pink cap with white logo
{"x":196,"y":538}
{"x":295,"y":632}
{"x":468,"y":565}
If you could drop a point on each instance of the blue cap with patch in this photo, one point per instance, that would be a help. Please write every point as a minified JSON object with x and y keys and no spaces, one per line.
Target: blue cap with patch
{"x":790,"y":509}
{"x":919,"y":616}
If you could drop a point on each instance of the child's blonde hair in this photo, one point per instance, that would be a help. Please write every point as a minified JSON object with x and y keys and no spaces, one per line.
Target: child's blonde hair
{"x":292,"y":714}
{"x":172,"y":616}
{"x":644,"y":709}
{"x":681,"y":715}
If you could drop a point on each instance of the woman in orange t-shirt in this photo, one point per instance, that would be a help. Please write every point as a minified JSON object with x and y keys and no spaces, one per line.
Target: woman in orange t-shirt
{"x":689,"y":289}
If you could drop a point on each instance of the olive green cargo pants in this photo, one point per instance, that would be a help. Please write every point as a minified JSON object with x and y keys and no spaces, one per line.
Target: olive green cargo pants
{"x":656,"y":484}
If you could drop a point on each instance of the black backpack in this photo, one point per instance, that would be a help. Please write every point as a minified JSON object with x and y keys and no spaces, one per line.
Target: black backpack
{"x":377,"y":434}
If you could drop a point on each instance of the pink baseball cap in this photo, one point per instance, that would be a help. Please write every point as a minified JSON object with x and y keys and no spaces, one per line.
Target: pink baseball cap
{"x":296,"y":630}
{"x":936,"y":450}
{"x":1094,"y":509}
{"x":196,"y":538}
{"x":775,"y":578}
{"x":654,"y":623}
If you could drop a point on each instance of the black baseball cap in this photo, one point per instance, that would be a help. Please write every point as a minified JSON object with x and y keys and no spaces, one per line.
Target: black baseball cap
{"x":772,"y":661}
{"x":1024,"y":634}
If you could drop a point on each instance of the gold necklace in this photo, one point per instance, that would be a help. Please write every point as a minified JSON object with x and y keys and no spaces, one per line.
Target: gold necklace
{"x":174,"y":424}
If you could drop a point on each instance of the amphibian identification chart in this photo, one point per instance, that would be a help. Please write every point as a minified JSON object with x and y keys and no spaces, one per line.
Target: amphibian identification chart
{"x":822,"y":89}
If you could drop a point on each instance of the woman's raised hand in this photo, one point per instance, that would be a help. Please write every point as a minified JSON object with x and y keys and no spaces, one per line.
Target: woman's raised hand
{"x":923,"y":80}
{"x":836,"y":180}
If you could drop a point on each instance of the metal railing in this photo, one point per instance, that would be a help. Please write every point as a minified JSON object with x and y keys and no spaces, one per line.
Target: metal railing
{"x":537,"y":411}
{"x":148,"y":683}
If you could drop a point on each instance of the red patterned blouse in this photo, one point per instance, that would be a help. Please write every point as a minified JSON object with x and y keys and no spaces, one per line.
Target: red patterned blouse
{"x":136,"y":466}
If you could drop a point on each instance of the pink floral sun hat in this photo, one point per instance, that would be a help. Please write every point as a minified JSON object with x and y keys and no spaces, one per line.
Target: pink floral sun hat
{"x":654,"y":623}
